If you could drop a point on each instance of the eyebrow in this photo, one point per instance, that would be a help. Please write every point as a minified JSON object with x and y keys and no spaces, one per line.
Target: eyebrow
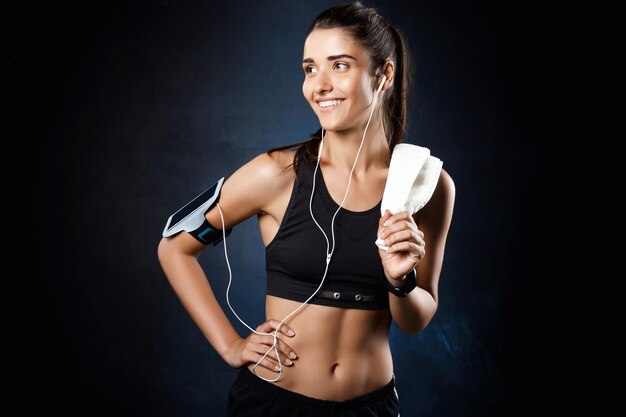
{"x":330,"y":58}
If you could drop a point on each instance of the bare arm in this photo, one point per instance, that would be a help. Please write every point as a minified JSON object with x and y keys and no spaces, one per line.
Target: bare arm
{"x":239,"y":199}
{"x":178,"y":258}
{"x":420,"y":239}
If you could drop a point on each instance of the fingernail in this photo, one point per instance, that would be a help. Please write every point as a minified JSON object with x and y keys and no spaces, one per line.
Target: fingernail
{"x":386,"y":223}
{"x":289,"y":362}
{"x":277,"y":368}
{"x":293,"y":355}
{"x":291,"y":332}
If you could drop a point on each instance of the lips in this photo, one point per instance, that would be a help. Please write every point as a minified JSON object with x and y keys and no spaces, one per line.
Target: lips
{"x":328,"y":105}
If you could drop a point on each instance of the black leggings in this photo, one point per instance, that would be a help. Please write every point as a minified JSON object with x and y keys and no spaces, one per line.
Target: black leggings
{"x":250,"y":396}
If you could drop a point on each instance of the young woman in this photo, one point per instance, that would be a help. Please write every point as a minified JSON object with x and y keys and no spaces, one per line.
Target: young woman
{"x":333,"y":354}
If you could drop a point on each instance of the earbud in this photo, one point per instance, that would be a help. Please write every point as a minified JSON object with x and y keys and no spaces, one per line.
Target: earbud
{"x":380,"y":87}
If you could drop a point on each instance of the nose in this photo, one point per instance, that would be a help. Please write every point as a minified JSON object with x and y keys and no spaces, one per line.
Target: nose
{"x":323,"y":83}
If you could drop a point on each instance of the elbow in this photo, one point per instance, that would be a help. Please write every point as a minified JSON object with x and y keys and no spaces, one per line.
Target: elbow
{"x":163,"y":250}
{"x":414,"y":327}
{"x":171,"y":249}
{"x":411,"y":327}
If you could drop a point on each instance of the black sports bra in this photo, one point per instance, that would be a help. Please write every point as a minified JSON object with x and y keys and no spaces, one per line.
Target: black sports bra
{"x":296,"y":257}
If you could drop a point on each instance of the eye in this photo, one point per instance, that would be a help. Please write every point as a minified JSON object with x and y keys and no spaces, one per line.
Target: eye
{"x":309,"y":69}
{"x":338,"y":64}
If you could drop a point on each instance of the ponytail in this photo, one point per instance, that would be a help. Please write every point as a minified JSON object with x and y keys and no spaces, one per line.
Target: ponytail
{"x":395,"y":111}
{"x":383,"y":42}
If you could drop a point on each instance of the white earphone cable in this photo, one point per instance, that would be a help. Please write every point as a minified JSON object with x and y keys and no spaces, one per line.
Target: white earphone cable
{"x":230,"y":280}
{"x":329,"y":250}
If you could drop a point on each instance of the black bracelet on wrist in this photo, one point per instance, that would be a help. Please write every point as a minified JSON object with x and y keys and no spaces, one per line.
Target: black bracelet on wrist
{"x":410,"y":282}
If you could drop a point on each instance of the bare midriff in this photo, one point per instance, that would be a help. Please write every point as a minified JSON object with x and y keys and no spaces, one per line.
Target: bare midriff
{"x":342,"y":353}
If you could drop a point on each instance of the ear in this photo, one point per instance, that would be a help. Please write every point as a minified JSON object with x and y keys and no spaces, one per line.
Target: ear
{"x":389,"y":71}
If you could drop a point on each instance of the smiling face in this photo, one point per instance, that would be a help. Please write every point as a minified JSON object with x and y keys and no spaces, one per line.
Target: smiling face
{"x":337,"y":82}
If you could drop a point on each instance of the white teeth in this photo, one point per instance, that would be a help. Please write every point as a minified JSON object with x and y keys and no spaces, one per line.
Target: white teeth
{"x":329,"y":103}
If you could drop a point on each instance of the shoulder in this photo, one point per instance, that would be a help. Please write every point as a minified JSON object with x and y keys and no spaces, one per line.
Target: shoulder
{"x":438,"y":211}
{"x":254,"y":186}
{"x":445,"y":187}
{"x":265,"y":172}
{"x":445,"y":192}
{"x":270,"y":171}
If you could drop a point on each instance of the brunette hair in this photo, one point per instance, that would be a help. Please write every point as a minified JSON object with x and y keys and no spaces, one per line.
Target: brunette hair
{"x":383,"y":42}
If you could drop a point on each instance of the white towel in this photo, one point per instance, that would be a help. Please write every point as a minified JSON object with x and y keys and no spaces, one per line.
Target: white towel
{"x":411,"y":181}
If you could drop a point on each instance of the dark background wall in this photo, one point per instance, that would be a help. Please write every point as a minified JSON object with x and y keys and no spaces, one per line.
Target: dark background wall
{"x":134,"y":107}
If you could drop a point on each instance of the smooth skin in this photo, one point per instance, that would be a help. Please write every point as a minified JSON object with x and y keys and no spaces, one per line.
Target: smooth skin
{"x":327,"y":353}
